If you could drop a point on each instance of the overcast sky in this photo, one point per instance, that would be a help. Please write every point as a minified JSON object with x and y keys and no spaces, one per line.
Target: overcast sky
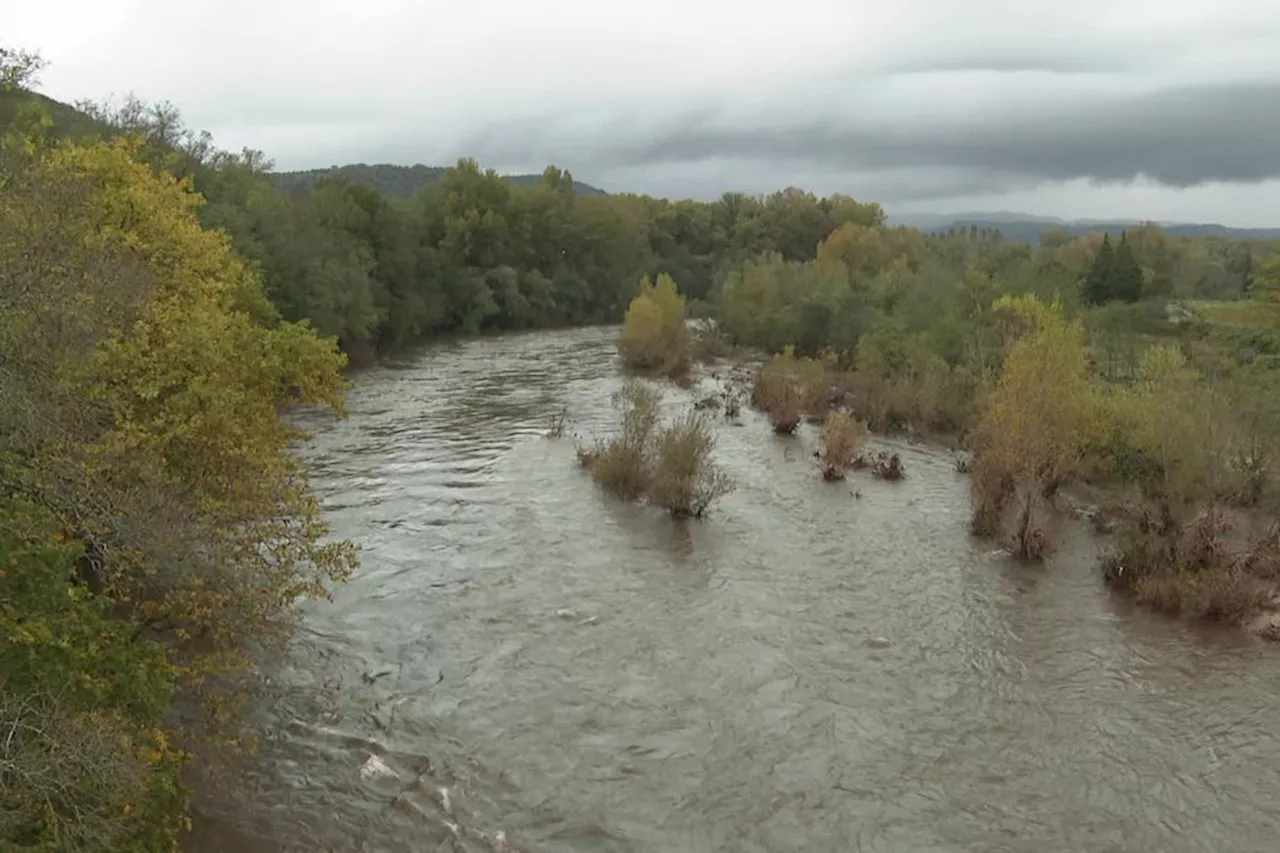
{"x":1086,"y":108}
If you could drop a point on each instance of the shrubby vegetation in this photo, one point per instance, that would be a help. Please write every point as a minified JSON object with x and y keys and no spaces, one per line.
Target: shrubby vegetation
{"x":655,"y":338}
{"x":623,"y":463}
{"x":685,"y":479}
{"x":841,"y":434}
{"x":86,"y":762}
{"x":789,"y":389}
{"x":1031,"y":437}
{"x":669,"y":465}
{"x":1146,"y":368}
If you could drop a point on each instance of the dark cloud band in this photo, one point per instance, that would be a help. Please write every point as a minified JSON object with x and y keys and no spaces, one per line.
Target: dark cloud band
{"x":1177,"y":137}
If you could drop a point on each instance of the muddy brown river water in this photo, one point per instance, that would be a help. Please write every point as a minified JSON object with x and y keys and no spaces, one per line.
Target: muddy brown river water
{"x":523,"y":664}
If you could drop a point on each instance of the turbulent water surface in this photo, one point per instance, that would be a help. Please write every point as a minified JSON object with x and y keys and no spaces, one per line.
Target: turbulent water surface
{"x":522,"y":663}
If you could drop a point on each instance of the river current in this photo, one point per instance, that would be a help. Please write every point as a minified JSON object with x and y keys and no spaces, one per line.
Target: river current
{"x":522,"y":663}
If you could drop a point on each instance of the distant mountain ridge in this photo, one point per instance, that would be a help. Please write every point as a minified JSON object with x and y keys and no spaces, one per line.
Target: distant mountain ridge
{"x":394,"y":181}
{"x":1026,"y":228}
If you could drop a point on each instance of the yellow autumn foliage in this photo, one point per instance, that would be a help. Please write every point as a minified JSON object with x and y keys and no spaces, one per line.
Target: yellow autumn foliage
{"x":1192,"y":436}
{"x":144,"y":386}
{"x":1038,"y":420}
{"x":655,"y":338}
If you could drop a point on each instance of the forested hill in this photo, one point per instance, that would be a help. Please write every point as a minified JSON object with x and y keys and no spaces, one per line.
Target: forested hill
{"x":64,"y":119}
{"x":1022,"y":228}
{"x":393,"y":181}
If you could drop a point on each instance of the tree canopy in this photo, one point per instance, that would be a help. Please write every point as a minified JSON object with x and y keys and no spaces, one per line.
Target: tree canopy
{"x":155,"y":529}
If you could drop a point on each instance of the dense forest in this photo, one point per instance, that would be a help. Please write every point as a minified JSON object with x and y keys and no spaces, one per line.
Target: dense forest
{"x":470,"y":251}
{"x":163,"y":301}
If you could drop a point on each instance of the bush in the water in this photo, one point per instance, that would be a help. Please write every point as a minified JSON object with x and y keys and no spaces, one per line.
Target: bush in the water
{"x":901,"y":385}
{"x":623,"y":463}
{"x":787,"y":389}
{"x":709,"y":343}
{"x":685,"y":481}
{"x":884,"y":465}
{"x":669,"y":465}
{"x":655,"y":338}
{"x":1191,"y":567}
{"x":840,"y":436}
{"x":1034,"y":431}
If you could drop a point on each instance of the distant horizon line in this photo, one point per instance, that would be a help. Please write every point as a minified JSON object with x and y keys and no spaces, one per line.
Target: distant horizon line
{"x":944,"y":218}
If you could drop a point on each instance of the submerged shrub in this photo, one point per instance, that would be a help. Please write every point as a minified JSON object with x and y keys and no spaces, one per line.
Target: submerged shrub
{"x":558,"y":422}
{"x":1190,"y":567}
{"x":901,"y":385}
{"x":788,"y":388}
{"x":992,"y":488}
{"x":670,"y":466}
{"x":840,"y":436}
{"x":1028,"y":537}
{"x":685,"y":480}
{"x":655,"y":338}
{"x":622,"y":464}
{"x":709,"y":343}
{"x":887,"y":466}
{"x":777,"y":396}
{"x":731,"y":403}
{"x":1037,"y":423}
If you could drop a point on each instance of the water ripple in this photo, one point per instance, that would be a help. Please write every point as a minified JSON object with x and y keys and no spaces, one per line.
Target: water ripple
{"x":807,"y":670}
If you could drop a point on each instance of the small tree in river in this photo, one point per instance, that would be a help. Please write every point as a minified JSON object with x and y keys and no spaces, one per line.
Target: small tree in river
{"x":654,"y":336}
{"x":1032,"y":435}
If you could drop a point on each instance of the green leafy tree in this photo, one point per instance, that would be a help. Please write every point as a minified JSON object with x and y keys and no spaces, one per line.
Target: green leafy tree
{"x":86,"y":763}
{"x":1037,"y":423}
{"x":1098,"y":283}
{"x":1115,"y":276}
{"x":1126,"y":282}
{"x":19,"y":69}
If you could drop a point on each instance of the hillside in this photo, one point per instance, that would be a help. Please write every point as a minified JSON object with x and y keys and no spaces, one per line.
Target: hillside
{"x":389,"y":180}
{"x":1025,"y":228}
{"x":393,"y":181}
{"x":67,"y":120}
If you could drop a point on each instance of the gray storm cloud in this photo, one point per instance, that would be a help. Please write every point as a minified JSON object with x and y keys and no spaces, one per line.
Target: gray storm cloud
{"x":1180,"y":137}
{"x":900,"y":101}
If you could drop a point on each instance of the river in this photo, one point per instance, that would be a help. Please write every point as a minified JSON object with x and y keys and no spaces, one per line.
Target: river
{"x":814,"y":667}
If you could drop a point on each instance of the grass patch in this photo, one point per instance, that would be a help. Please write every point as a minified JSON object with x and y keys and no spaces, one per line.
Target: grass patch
{"x":1240,"y":313}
